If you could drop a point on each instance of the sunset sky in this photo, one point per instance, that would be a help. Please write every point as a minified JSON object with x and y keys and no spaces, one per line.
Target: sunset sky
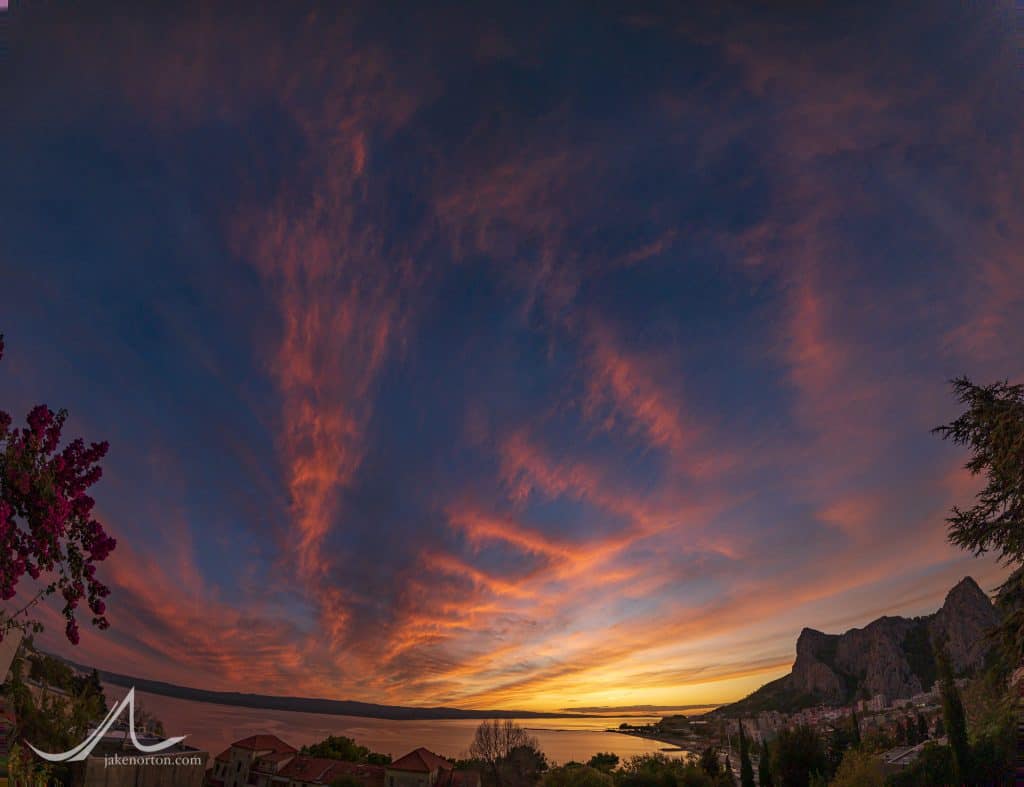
{"x":534,"y":356}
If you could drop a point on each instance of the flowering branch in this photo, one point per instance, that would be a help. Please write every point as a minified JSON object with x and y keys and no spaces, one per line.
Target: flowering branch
{"x":46,"y":523}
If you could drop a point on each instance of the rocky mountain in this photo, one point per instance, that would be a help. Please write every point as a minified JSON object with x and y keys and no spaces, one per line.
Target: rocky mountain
{"x":893,"y":656}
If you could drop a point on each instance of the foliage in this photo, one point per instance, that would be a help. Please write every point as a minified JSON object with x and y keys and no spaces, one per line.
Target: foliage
{"x":1010,"y":605}
{"x":922,"y":728}
{"x":854,"y":730}
{"x":764,"y":767}
{"x":746,"y":766}
{"x":840,"y":739}
{"x":859,"y":769}
{"x":53,"y":672}
{"x":53,"y":722}
{"x":46,"y":526}
{"x":24,"y":769}
{"x":510,"y":755}
{"x":709,"y":762}
{"x":992,"y":724}
{"x":576,"y":776}
{"x":604,"y":761}
{"x":658,"y":770}
{"x":341,"y":747}
{"x":954,"y":716}
{"x":933,"y":766}
{"x":523,"y":766}
{"x":797,"y":754}
{"x":993,"y":427}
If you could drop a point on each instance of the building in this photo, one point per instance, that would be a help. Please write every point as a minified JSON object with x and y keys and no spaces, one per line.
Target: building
{"x":267,"y":761}
{"x":232,"y":767}
{"x":422,"y":768}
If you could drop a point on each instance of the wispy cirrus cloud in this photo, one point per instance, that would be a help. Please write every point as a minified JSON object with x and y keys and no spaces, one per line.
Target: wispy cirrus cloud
{"x":469,"y":368}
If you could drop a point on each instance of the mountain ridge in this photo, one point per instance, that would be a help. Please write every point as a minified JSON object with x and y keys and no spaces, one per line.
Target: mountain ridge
{"x":313,"y":704}
{"x":891,"y":655}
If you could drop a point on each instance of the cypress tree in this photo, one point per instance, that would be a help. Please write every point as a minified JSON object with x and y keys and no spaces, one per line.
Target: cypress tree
{"x":764,"y":766}
{"x":746,"y":767}
{"x":856,"y":731}
{"x":954,"y":717}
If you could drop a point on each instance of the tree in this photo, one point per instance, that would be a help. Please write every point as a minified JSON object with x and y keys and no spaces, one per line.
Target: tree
{"x":576,"y":776}
{"x":46,"y":526}
{"x":604,"y":761}
{"x":495,"y":740}
{"x":725,"y":778}
{"x":859,"y":769}
{"x":659,"y":770}
{"x":709,"y":762}
{"x":523,"y":766}
{"x":922,"y":727}
{"x":764,"y":767}
{"x":746,"y":767}
{"x":797,"y":754}
{"x":341,"y":747}
{"x":992,"y":426}
{"x":953,"y":716}
{"x":933,"y":766}
{"x":24,"y":769}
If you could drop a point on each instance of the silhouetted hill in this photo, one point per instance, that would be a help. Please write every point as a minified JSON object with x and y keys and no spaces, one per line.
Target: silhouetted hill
{"x":312,"y":705}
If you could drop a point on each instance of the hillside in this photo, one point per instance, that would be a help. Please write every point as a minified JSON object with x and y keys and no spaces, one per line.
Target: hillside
{"x":312,"y":704}
{"x":891,"y":656}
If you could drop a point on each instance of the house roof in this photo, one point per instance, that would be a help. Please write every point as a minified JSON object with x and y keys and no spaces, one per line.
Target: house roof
{"x":263,"y":743}
{"x":420,"y":761}
{"x":321,"y":770}
{"x":224,"y":756}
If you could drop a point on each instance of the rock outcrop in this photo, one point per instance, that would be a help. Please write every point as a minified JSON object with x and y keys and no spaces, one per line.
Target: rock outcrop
{"x":893,"y":656}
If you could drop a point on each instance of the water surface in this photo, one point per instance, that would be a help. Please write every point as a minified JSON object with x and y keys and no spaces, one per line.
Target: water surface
{"x":213,"y":727}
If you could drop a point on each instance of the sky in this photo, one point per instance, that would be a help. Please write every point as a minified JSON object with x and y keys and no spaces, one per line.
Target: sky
{"x":533,"y":356}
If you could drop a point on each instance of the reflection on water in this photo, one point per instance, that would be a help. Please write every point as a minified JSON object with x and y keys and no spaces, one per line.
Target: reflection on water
{"x":213,"y":727}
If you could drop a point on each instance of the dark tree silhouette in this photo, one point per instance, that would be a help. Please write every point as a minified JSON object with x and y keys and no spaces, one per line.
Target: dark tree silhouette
{"x":764,"y":766}
{"x":953,"y":715}
{"x":746,"y":767}
{"x":992,"y":427}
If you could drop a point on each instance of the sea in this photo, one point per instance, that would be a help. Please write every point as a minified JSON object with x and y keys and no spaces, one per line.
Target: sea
{"x":211,"y":727}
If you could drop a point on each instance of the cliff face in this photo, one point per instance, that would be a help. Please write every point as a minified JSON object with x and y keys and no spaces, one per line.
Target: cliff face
{"x":962,"y":622}
{"x":891,"y":656}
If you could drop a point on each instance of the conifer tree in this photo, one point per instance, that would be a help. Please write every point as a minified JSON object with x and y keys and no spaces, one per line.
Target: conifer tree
{"x":764,"y":766}
{"x":746,"y":767}
{"x":953,"y":715}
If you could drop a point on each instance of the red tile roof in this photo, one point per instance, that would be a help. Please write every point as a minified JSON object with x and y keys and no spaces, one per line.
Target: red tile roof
{"x":224,"y":756}
{"x":263,"y":743}
{"x":321,"y":770}
{"x":420,"y":761}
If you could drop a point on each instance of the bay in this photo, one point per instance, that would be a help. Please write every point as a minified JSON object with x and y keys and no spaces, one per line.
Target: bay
{"x":212,"y":727}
